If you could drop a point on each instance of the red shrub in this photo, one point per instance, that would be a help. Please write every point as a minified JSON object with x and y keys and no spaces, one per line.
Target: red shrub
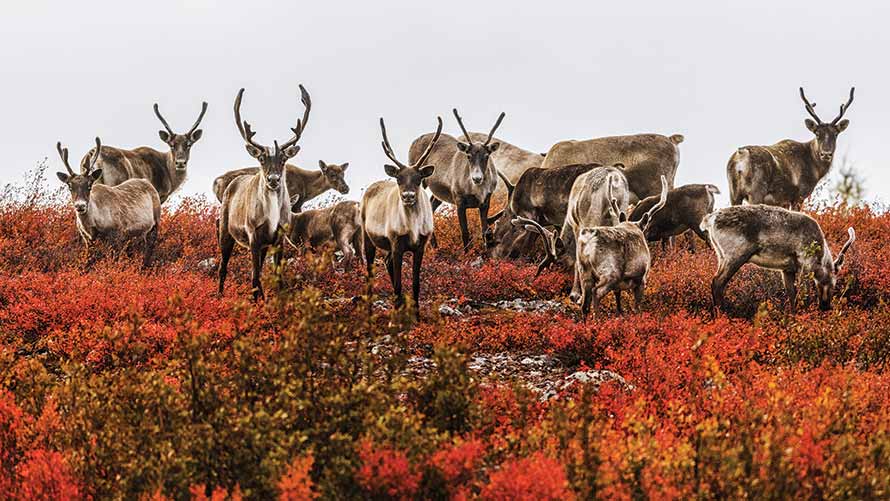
{"x":296,"y":484}
{"x":533,"y":478}
{"x":386,"y":473}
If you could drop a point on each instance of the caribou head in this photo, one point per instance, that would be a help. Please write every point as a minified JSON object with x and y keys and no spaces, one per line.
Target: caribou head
{"x":80,"y":185}
{"x":335,"y":175}
{"x":272,"y":159}
{"x":181,"y":144}
{"x":826,"y":133}
{"x":825,"y":275}
{"x":477,"y":153}
{"x":409,"y":177}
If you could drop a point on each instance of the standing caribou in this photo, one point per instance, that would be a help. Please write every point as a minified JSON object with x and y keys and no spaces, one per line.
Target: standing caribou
{"x":646,"y":158}
{"x":339,"y":224}
{"x":464,"y":175}
{"x":397,"y":217}
{"x":684,"y":210}
{"x":510,"y":160}
{"x":777,"y":239}
{"x":165,"y":171}
{"x":256,"y":208}
{"x":302,"y":185}
{"x":786,"y":173}
{"x":129,"y":210}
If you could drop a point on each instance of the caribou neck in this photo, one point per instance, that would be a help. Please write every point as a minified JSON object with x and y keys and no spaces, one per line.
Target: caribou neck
{"x":822,"y":167}
{"x":177,"y":177}
{"x":315,"y":184}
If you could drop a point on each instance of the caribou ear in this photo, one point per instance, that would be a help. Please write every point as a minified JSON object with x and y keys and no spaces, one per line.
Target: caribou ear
{"x":252,"y":150}
{"x":426,"y":170}
{"x":96,"y":174}
{"x":493,"y":147}
{"x":842,"y":125}
{"x":196,"y":135}
{"x":810,"y":125}
{"x":291,"y":151}
{"x":619,"y":165}
{"x":165,"y":137}
{"x":463,"y":146}
{"x":321,"y":165}
{"x":63,"y":177}
{"x":391,"y":170}
{"x":344,"y":166}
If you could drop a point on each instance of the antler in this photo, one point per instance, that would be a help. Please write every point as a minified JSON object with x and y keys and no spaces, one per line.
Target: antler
{"x":244,"y":127}
{"x":429,"y":147}
{"x":496,"y":125}
{"x":844,"y":107}
{"x":461,"y":123}
{"x":387,"y":148}
{"x":161,"y":118}
{"x":96,"y":154}
{"x":810,"y":107}
{"x":840,"y":257}
{"x":301,"y":123}
{"x":198,"y":121}
{"x":63,"y":152}
{"x":644,"y":221}
{"x":549,"y":240}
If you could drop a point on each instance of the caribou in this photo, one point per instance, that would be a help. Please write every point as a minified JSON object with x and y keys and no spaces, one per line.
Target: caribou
{"x":397,"y":217}
{"x":541,"y":195}
{"x":684,"y":211}
{"x":510,"y":160}
{"x":165,"y":171}
{"x":786,"y":173}
{"x":776,"y":239}
{"x":302,"y":185}
{"x":339,"y":225}
{"x":590,"y":206}
{"x":646,"y":158}
{"x":610,"y":258}
{"x":131,"y":209}
{"x":464,"y":175}
{"x":256,"y":208}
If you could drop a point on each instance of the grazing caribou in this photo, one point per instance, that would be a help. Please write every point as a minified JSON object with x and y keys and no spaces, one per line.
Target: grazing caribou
{"x":786,"y":173}
{"x":165,"y":171}
{"x":684,"y":210}
{"x":339,"y":225}
{"x":464,"y":175}
{"x":302,"y":185}
{"x":590,"y":206}
{"x":646,"y":158}
{"x":541,"y":195}
{"x":256,"y":208}
{"x":776,"y":239}
{"x":397,"y":217}
{"x":511,"y":161}
{"x":129,"y":210}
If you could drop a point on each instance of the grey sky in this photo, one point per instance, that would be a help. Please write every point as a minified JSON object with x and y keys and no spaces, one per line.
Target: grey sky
{"x":723,"y":75}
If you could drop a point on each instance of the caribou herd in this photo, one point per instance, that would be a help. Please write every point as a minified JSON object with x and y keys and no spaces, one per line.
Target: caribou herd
{"x":595,"y":204}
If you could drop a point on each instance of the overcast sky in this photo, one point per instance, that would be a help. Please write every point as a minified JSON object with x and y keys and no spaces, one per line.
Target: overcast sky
{"x":723,"y":75}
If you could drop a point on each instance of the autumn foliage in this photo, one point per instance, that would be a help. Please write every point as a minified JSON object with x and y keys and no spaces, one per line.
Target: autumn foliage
{"x":123,"y":383}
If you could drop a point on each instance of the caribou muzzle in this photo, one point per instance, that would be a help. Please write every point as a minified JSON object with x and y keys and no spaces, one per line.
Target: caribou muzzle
{"x":273,"y":181}
{"x":409,"y":198}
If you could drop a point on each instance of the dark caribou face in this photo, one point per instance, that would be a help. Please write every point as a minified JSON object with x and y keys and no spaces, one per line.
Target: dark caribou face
{"x":80,"y":187}
{"x":826,"y":137}
{"x":478,"y":156}
{"x":272,"y":162}
{"x":410,"y":181}
{"x":180,"y":144}
{"x":335,"y":175}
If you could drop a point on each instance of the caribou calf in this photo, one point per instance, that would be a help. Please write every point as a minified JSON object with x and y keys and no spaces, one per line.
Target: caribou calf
{"x":339,"y":224}
{"x":685,"y":208}
{"x":397,"y":217}
{"x":129,"y":210}
{"x":256,"y":208}
{"x":777,"y":239}
{"x":302,"y":185}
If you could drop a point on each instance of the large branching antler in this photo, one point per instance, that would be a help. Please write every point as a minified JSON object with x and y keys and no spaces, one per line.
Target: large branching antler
{"x":301,"y":123}
{"x":387,"y":149}
{"x":200,"y":117}
{"x":461,"y":124}
{"x":810,"y":107}
{"x":844,"y":107}
{"x":244,"y":127}
{"x":96,"y":154}
{"x":493,"y":129}
{"x":548,"y":237}
{"x":644,"y":221}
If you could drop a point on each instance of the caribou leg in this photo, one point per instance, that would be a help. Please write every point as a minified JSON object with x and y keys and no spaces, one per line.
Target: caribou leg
{"x":790,"y":280}
{"x":370,"y":254}
{"x":462,"y":220}
{"x":415,"y":283}
{"x":638,"y":295}
{"x":435,"y":202}
{"x":396,"y":257}
{"x":151,"y":240}
{"x":725,"y":271}
{"x":617,"y":293}
{"x":256,"y":257}
{"x":483,"y":219}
